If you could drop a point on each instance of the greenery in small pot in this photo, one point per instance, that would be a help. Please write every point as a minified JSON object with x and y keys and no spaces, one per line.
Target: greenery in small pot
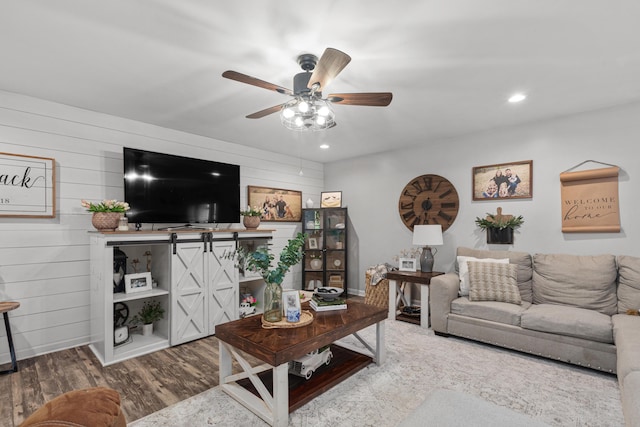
{"x":150,"y":312}
{"x":260,"y":259}
{"x":105,"y":206}
{"x":499,"y":221}
{"x":251,"y":211}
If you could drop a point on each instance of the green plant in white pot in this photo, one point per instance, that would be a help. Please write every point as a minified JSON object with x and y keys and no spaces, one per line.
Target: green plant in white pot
{"x":150,"y":312}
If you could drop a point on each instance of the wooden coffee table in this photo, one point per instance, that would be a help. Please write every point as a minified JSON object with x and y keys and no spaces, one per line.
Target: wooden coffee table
{"x":266,"y":389}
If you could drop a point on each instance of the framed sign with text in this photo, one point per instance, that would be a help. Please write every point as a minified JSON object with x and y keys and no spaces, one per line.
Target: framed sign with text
{"x":27,"y":186}
{"x":590,"y":201}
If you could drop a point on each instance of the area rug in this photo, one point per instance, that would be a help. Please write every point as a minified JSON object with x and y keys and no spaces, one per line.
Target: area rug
{"x":418,"y":364}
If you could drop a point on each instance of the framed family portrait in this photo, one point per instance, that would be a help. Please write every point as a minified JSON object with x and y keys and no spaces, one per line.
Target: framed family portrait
{"x":407,"y":264}
{"x":137,"y":282}
{"x":331,"y":199}
{"x":277,"y":204}
{"x":503,"y":181}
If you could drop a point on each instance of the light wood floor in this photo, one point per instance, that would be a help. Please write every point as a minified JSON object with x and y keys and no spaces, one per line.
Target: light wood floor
{"x":146,"y":384}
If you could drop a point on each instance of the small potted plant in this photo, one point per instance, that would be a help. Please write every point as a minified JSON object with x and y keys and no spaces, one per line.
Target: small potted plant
{"x":251,"y":219}
{"x":500,"y":227}
{"x":106,"y":214}
{"x":150,"y":312}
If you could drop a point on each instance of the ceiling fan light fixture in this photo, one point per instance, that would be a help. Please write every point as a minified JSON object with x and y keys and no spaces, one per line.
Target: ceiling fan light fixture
{"x":307,"y":113}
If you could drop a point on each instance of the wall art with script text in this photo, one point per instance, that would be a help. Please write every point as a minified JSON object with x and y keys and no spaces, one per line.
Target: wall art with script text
{"x":590,"y":201}
{"x":27,"y":186}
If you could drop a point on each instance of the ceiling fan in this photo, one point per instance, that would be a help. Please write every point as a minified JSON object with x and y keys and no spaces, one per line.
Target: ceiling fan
{"x":308,"y":110}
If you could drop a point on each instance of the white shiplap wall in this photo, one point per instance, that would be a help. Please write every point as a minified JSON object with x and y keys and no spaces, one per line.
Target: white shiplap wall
{"x":44,"y":263}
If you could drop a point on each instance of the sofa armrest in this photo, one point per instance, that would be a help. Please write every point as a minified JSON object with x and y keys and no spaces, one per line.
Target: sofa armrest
{"x":443,"y":290}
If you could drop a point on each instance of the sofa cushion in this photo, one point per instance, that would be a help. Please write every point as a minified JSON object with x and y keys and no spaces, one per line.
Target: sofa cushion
{"x":492,"y":281}
{"x":577,"y":280}
{"x":626,"y":336}
{"x":628,"y":283}
{"x":493,"y":311}
{"x":570,"y":321}
{"x":521,"y":259}
{"x":463,"y":268}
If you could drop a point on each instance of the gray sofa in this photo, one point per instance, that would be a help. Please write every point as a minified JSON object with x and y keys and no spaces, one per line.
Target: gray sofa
{"x":565,"y":307}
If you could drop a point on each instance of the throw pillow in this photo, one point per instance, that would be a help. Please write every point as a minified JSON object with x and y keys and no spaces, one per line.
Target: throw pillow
{"x":463,"y":270}
{"x":492,"y":281}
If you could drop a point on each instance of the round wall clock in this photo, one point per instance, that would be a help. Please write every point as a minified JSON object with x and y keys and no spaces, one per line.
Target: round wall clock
{"x":428,"y":199}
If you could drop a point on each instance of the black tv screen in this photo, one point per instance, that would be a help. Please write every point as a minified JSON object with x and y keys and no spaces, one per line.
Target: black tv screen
{"x":163,"y":188}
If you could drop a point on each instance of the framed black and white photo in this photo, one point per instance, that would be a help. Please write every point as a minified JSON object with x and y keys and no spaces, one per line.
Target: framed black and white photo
{"x":407,"y":264}
{"x":137,"y":282}
{"x":313,"y":243}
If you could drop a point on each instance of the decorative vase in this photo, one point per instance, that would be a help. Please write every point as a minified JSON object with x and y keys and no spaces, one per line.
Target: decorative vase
{"x":309,"y":203}
{"x":273,"y":303}
{"x":147,"y":329}
{"x":316,"y":263}
{"x":251,"y":222}
{"x":106,"y":221}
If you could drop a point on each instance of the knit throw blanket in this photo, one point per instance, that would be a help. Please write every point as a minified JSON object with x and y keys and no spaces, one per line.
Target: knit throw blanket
{"x":379,"y":272}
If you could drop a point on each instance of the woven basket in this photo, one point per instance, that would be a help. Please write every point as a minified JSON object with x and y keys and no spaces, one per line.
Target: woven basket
{"x":377,"y":295}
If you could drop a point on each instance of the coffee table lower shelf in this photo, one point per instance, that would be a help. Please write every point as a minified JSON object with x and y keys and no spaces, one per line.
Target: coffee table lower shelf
{"x":344,"y":363}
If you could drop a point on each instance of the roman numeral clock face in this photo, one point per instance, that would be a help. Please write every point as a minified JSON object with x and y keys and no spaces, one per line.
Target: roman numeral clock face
{"x":428,"y":199}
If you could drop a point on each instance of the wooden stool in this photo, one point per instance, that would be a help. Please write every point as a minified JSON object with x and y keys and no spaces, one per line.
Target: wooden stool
{"x":5,"y":307}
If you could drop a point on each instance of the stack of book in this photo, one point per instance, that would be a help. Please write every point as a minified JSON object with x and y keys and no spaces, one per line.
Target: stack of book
{"x":319,"y":304}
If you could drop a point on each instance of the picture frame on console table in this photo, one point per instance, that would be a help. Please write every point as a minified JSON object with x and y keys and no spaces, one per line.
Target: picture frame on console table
{"x":277,"y":204}
{"x":503,"y":181}
{"x":137,"y":282}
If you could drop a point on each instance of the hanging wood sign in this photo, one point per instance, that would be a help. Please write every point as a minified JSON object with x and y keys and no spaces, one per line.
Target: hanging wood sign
{"x":590,"y":201}
{"x":27,"y":186}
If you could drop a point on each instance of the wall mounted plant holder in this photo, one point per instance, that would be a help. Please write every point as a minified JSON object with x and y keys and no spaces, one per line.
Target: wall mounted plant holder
{"x":502,"y":236}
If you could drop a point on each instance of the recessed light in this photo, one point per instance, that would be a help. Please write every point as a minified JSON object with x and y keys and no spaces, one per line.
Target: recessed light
{"x":517,"y":97}
{"x":324,"y":146}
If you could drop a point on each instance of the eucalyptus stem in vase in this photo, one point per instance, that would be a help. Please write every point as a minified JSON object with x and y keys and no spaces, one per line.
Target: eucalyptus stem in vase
{"x":260,"y":261}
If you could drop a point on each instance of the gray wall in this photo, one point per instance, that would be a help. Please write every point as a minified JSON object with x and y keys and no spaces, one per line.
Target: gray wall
{"x":371,"y":187}
{"x":44,"y":263}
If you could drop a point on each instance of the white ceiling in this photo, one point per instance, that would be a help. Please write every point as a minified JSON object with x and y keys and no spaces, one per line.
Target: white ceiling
{"x":451,"y":64}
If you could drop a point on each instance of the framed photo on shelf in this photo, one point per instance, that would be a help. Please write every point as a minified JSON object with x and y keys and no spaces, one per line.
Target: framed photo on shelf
{"x":137,"y":282}
{"x":331,"y":199}
{"x":407,"y":264}
{"x":277,"y":205}
{"x":313,"y":243}
{"x":503,"y":181}
{"x":291,"y":305}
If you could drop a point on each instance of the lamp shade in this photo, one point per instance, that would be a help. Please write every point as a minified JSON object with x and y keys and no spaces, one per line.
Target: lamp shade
{"x":426,"y":235}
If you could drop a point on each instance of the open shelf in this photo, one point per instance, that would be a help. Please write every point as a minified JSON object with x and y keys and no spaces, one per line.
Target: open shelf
{"x":121,"y":297}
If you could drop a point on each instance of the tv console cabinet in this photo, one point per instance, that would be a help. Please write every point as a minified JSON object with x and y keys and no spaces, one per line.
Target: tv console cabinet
{"x":197,"y":285}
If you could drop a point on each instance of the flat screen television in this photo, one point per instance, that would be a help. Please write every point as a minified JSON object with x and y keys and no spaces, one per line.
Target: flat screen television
{"x":163,"y":188}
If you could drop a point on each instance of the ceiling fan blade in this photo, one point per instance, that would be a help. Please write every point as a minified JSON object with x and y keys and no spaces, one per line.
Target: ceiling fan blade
{"x":328,"y":67}
{"x":243,"y":78}
{"x":373,"y":99}
{"x":265,"y":112}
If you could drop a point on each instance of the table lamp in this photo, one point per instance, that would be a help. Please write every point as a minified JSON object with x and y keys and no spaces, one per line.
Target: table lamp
{"x":426,"y":235}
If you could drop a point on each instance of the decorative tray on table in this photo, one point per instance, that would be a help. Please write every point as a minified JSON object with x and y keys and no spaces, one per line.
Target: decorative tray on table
{"x":306,"y":317}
